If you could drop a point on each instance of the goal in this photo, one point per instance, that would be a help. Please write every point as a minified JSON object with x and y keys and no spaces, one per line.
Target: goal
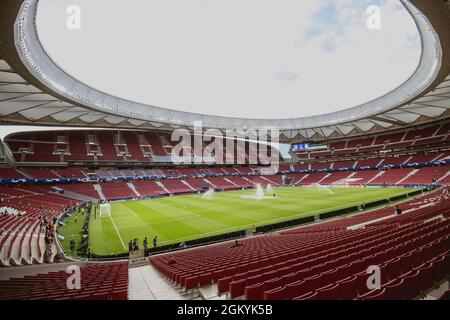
{"x":105,"y":210}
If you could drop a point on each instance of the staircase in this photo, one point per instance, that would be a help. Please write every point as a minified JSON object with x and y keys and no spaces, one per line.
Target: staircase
{"x":245,"y":178}
{"x":379,"y":174}
{"x":133,"y":188}
{"x":26,"y":174}
{"x":326,"y":176}
{"x":351,"y":175}
{"x":270,"y":181}
{"x":445,"y":176}
{"x":407,"y":160}
{"x":304,"y":177}
{"x":99,"y":190}
{"x":210,"y":183}
{"x":159,"y":183}
{"x":228,"y":180}
{"x":413,"y":172}
{"x":188,"y":185}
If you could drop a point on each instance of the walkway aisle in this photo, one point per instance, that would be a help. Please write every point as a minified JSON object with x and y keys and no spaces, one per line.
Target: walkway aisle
{"x":145,"y":283}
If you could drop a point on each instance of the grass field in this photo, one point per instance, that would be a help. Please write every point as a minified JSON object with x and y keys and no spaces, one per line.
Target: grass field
{"x":188,"y":217}
{"x":72,"y":229}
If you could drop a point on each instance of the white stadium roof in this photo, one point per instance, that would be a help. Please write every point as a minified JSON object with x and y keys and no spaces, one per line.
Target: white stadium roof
{"x":35,"y":90}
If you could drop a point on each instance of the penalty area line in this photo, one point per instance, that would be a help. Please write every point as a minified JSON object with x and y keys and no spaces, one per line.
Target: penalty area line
{"x":117,"y":231}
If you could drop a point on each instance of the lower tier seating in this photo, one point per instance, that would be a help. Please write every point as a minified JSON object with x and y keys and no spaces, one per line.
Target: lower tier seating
{"x":98,"y":282}
{"x":412,"y":252}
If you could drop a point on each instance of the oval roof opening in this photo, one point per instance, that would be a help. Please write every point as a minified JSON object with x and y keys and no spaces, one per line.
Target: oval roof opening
{"x":248,"y":59}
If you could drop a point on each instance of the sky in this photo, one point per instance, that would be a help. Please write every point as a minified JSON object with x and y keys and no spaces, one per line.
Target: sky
{"x":241,"y":58}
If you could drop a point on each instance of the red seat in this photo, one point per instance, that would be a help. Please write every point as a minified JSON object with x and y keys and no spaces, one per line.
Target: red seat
{"x":363,"y":288}
{"x":375,"y":294}
{"x":191,"y":282}
{"x":329,"y":276}
{"x":240,"y":276}
{"x":416,"y":258}
{"x":307,"y":296}
{"x":405,"y":264}
{"x":295,"y":289}
{"x":411,"y":285}
{"x":275,"y":294}
{"x":100,"y":296}
{"x":426,"y":276}
{"x":305,"y":273}
{"x":348,"y":288}
{"x":394,"y":269}
{"x":237,"y":288}
{"x":313,"y":283}
{"x":223,"y":285}
{"x":330,"y":292}
{"x":119,"y":295}
{"x":254,"y":292}
{"x":344,"y":271}
{"x":394,"y":290}
{"x":218,"y":274}
{"x":254,"y":280}
{"x":439,"y":269}
{"x":271,"y":284}
{"x":288,"y":278}
{"x":205,"y":279}
{"x":255,"y":272}
{"x":359,"y":266}
{"x":269,"y":275}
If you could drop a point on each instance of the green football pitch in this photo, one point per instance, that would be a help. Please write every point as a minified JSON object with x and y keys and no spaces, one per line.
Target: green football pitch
{"x":187,"y":217}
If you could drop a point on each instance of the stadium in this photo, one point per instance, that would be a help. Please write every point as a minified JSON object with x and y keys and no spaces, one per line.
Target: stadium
{"x":106,"y":195}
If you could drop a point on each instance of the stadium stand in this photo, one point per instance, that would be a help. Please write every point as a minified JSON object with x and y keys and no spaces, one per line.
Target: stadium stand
{"x":98,"y":282}
{"x":329,"y":263}
{"x":113,"y":150}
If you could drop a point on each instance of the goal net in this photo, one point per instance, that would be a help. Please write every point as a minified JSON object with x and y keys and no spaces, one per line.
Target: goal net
{"x":105,"y":210}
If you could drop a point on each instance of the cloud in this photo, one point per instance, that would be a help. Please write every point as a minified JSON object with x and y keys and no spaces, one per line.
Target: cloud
{"x":332,"y":25}
{"x":286,"y":76}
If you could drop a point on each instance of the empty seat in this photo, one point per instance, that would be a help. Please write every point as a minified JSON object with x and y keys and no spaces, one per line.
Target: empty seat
{"x":307,"y":296}
{"x":394,"y":290}
{"x":295,"y":289}
{"x":275,"y":294}
{"x":348,"y":288}
{"x":411,"y":286}
{"x":426,"y":276}
{"x":330,"y":292}
{"x":237,"y":288}
{"x":254,"y":292}
{"x":375,"y":294}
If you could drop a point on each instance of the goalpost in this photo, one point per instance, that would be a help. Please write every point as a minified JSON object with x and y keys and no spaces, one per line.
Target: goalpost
{"x":105,"y":210}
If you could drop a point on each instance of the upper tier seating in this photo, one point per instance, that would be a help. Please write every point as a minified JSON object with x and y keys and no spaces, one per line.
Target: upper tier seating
{"x":70,"y":173}
{"x":411,"y":139}
{"x":11,"y":173}
{"x":42,"y":173}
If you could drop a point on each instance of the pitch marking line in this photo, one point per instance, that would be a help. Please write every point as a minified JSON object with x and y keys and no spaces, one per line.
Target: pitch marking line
{"x":117,"y":231}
